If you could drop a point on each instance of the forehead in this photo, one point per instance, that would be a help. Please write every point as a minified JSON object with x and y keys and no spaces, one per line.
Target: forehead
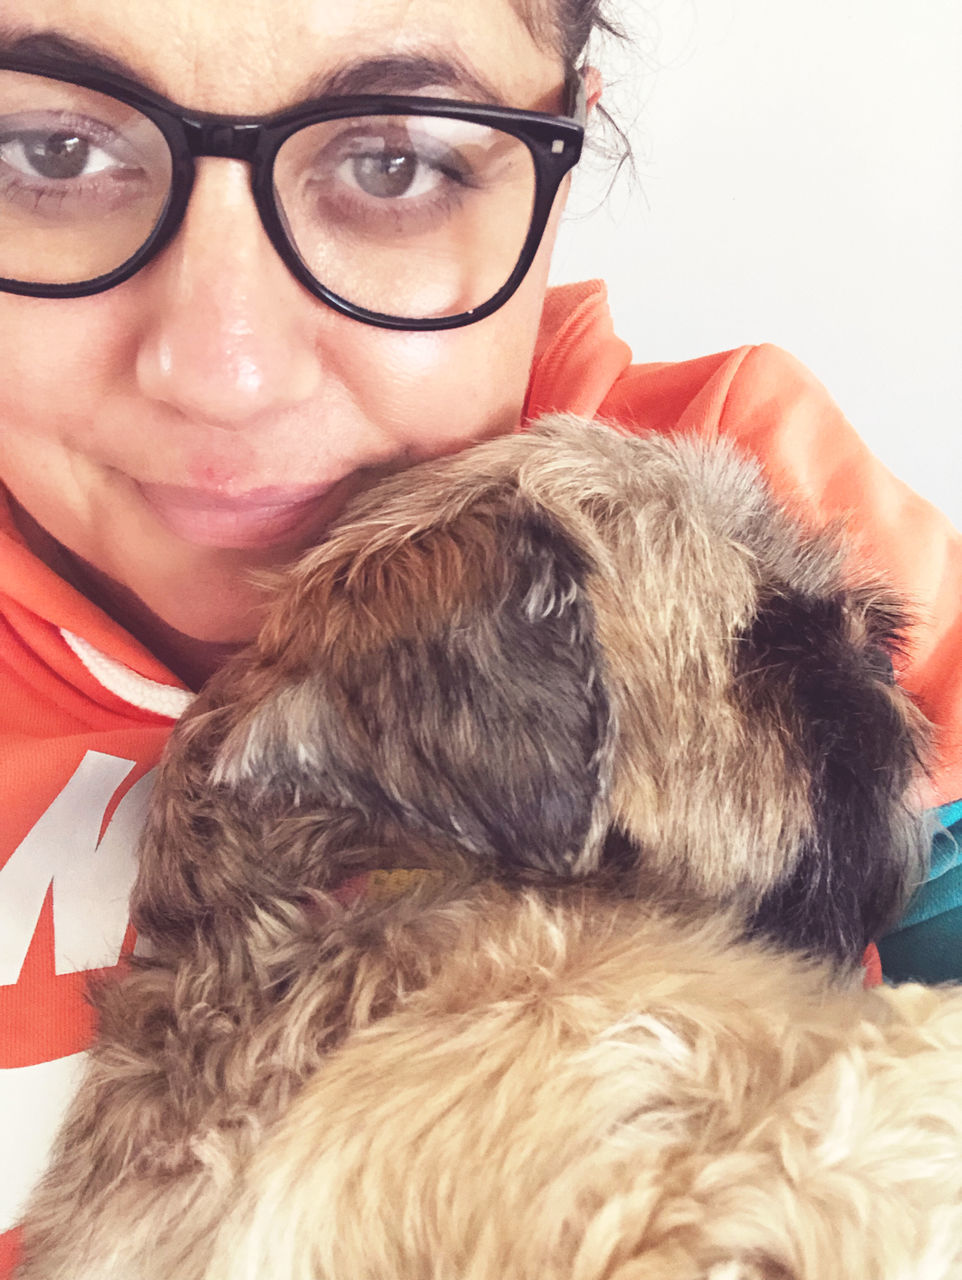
{"x":256,"y":56}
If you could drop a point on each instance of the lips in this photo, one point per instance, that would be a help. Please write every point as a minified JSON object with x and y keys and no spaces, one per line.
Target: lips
{"x":259,"y":519}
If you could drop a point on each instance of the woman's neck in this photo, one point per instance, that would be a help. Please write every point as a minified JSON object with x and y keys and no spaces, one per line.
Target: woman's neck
{"x":188,"y":658}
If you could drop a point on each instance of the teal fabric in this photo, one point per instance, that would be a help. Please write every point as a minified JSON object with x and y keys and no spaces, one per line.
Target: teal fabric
{"x":926,"y":945}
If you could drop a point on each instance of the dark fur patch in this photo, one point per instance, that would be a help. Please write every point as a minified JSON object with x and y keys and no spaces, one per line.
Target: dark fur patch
{"x":829,"y":683}
{"x":489,"y":726}
{"x":502,"y":716}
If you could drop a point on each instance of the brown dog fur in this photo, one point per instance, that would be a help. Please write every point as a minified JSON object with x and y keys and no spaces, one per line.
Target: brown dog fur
{"x":617,"y":711}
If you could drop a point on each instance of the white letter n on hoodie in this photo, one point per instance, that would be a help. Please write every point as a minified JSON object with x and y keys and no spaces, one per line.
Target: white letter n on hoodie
{"x":91,"y":877}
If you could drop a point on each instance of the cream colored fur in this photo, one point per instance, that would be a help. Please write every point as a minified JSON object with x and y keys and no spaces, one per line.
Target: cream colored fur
{"x":588,"y":1095}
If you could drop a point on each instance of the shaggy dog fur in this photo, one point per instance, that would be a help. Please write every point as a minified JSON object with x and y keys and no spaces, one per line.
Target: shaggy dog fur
{"x":638,"y":746}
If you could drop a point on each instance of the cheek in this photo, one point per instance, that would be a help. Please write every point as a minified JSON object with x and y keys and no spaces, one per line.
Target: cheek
{"x":437,"y":392}
{"x":60,"y":359}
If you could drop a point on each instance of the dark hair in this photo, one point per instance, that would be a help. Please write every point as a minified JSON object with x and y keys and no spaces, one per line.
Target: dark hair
{"x":576,"y":21}
{"x":568,"y":27}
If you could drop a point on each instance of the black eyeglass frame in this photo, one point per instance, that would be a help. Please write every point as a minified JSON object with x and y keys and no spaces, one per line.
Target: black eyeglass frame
{"x":554,"y":142}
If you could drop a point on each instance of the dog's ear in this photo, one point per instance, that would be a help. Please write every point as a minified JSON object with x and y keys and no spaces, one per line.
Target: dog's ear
{"x":822,"y":667}
{"x":454,"y":686}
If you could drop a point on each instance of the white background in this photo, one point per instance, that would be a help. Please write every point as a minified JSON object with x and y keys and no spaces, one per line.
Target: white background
{"x":799,"y":181}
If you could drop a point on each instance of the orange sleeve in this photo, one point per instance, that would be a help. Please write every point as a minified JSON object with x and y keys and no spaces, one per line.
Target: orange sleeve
{"x":816,"y":462}
{"x":9,"y":1252}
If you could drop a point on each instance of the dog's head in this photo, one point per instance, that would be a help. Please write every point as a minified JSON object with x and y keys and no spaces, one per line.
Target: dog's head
{"x":555,"y":654}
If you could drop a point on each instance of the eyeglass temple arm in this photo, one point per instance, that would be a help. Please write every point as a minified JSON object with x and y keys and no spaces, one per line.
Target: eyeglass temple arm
{"x":576,"y":97}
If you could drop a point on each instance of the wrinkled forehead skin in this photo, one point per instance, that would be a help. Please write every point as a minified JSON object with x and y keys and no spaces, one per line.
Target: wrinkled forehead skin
{"x":265,"y":55}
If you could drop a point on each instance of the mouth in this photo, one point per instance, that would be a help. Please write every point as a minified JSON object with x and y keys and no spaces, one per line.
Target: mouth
{"x":262,"y":518}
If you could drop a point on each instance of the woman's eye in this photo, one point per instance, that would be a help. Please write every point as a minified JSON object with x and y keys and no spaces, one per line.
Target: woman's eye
{"x":386,"y":171}
{"x":57,"y":156}
{"x":385,"y":175}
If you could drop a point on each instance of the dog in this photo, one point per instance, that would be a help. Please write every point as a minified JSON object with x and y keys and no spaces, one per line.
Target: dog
{"x":504,"y":904}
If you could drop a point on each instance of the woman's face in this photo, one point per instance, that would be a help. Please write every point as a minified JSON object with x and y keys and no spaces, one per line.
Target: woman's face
{"x":209,"y":416}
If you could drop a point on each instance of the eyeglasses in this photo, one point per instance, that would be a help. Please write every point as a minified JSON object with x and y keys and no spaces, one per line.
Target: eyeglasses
{"x":402,"y":212}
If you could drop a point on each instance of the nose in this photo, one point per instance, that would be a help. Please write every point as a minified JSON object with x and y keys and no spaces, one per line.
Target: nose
{"x":228,"y":335}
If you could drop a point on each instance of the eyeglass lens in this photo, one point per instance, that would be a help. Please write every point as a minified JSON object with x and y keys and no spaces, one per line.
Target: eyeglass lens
{"x":84,"y":179}
{"x":409,"y":216}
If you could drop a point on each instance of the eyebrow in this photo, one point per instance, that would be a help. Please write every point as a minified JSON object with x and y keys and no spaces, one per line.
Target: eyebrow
{"x":405,"y":73}
{"x":64,"y":52}
{"x":387,"y":73}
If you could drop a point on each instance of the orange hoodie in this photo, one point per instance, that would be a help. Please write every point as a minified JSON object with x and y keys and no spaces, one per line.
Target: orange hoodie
{"x":85,"y":710}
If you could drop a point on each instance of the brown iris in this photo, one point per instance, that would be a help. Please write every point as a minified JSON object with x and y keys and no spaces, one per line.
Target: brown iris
{"x":57,"y":155}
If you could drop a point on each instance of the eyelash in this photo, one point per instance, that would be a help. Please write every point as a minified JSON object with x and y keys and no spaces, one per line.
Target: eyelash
{"x":398,"y":212}
{"x":20,"y":187}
